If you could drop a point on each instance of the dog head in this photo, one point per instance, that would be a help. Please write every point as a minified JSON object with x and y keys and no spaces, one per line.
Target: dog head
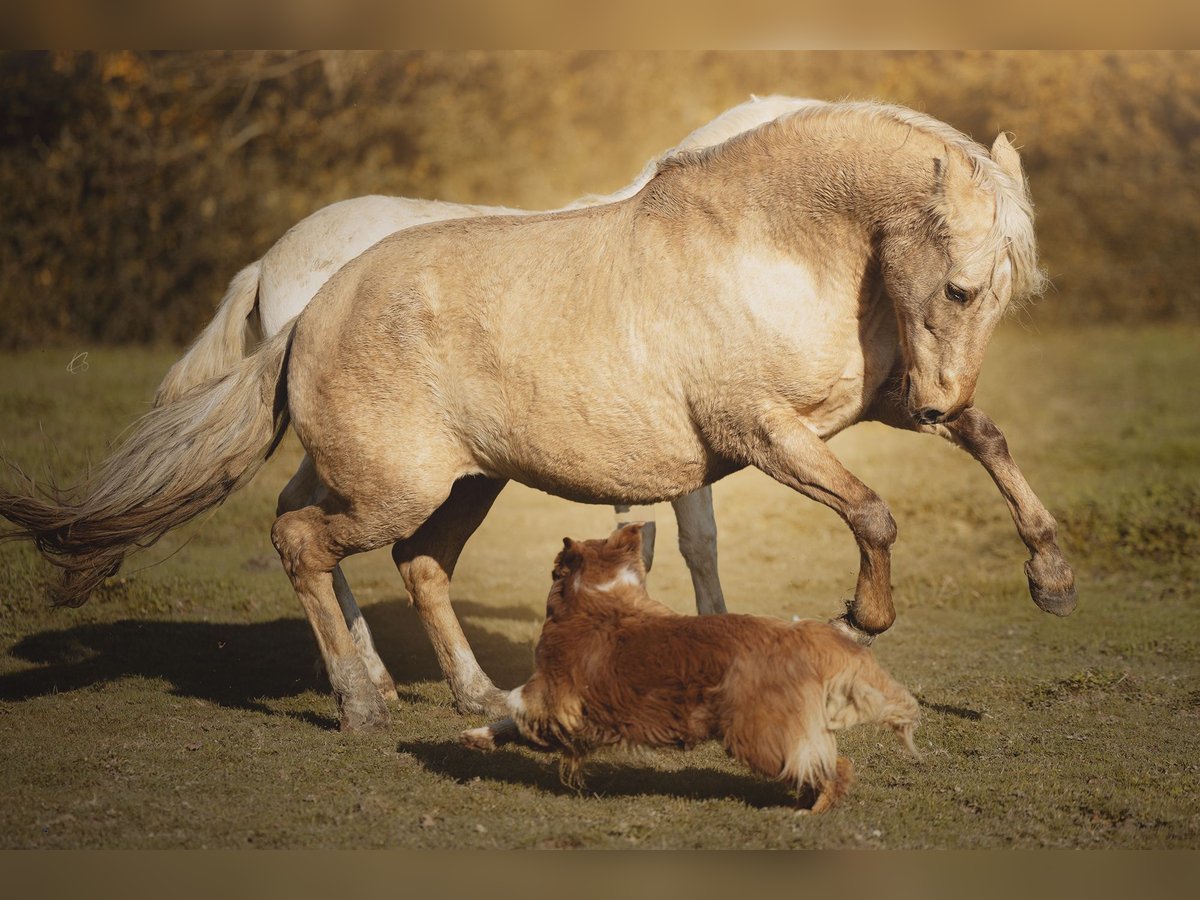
{"x":612,"y":566}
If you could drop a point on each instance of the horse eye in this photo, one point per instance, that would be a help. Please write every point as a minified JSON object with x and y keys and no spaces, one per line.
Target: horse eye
{"x":957,"y":294}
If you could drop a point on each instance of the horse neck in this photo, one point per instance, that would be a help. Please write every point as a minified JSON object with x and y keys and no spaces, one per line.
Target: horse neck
{"x":831,"y":172}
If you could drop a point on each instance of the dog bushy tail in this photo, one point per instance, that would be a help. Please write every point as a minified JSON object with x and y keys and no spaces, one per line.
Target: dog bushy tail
{"x":180,"y":459}
{"x":864,"y":692}
{"x":224,"y":342}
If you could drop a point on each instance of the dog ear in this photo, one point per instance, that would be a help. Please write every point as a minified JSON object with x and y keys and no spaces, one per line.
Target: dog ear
{"x":627,"y":539}
{"x":567,"y":561}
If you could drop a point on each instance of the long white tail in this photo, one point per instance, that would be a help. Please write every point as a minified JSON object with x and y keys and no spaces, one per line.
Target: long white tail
{"x":228,"y":339}
{"x":180,"y":459}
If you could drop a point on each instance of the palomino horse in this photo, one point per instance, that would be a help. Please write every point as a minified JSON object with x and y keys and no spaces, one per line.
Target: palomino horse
{"x":840,"y":263}
{"x":268,"y":294}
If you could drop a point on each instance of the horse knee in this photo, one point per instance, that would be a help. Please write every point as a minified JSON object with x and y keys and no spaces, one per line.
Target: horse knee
{"x":872,"y":523}
{"x":979,"y":432}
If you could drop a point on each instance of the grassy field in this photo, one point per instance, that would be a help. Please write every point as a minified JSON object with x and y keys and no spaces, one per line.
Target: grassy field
{"x":182,"y":707}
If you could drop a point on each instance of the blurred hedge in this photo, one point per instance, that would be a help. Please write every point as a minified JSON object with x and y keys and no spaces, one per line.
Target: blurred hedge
{"x":135,"y":185}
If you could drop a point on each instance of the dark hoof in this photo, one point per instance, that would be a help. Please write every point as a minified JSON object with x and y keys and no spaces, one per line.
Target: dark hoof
{"x":362,"y":717}
{"x":866,"y":626}
{"x":1052,"y":586}
{"x":1059,"y":603}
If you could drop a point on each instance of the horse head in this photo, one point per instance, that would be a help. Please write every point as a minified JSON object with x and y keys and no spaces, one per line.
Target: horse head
{"x":951,"y":264}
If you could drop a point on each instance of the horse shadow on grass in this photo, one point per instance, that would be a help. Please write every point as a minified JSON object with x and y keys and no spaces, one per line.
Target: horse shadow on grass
{"x":623,"y":777}
{"x":244,"y":665}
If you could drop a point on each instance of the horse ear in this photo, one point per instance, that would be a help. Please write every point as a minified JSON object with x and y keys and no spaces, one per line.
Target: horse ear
{"x":1005,"y":155}
{"x":628,"y":539}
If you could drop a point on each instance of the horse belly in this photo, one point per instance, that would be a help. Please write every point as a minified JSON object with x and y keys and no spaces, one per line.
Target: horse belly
{"x":616,"y":455}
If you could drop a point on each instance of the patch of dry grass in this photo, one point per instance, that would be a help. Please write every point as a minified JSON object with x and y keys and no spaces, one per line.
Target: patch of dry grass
{"x":182,"y":708}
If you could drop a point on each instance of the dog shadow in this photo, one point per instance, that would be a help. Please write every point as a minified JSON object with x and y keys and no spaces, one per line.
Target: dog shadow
{"x":241,"y":665}
{"x":627,"y":778}
{"x":959,"y":712}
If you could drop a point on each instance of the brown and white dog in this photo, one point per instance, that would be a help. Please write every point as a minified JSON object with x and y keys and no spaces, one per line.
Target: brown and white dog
{"x":614,"y":667}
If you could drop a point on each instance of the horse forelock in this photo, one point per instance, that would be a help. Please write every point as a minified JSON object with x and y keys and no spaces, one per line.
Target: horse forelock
{"x":1011,"y":232}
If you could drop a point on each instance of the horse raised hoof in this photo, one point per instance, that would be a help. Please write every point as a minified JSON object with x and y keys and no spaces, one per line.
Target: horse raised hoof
{"x":1052,"y":584}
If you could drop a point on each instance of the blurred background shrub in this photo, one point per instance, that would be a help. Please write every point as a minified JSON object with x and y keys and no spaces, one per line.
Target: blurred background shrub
{"x":134,"y":185}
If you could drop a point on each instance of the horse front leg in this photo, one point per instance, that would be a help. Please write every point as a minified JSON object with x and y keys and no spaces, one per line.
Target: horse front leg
{"x":1051,"y":581}
{"x":787,"y":450}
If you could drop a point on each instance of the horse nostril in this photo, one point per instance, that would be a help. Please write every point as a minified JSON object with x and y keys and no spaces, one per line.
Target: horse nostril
{"x":929,"y":416}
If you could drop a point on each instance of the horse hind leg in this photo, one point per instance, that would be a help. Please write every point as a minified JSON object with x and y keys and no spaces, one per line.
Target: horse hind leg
{"x":426,"y":561}
{"x":305,"y":489}
{"x":360,"y":633}
{"x":649,"y":530}
{"x":311,"y":542}
{"x":698,"y":544}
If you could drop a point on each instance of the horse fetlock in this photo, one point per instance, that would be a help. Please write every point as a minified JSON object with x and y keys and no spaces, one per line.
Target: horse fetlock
{"x":361,"y":705}
{"x":873,"y":524}
{"x":870,"y":615}
{"x":385,"y":685}
{"x":845,"y":624}
{"x":357,"y":714}
{"x":1051,"y":583}
{"x":376,"y":670}
{"x":481,"y":699}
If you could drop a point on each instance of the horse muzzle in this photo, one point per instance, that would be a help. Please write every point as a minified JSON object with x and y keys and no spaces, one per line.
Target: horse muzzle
{"x":929,"y":415}
{"x":934,"y":407}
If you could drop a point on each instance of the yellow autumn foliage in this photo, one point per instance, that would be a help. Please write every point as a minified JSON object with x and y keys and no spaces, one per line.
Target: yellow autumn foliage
{"x":136,"y":184}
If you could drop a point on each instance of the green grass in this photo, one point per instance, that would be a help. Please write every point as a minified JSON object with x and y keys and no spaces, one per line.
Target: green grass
{"x":182,"y":706}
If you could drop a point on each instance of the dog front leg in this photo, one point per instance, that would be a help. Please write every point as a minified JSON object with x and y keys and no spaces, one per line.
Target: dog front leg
{"x":489,"y":737}
{"x":833,"y":790}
